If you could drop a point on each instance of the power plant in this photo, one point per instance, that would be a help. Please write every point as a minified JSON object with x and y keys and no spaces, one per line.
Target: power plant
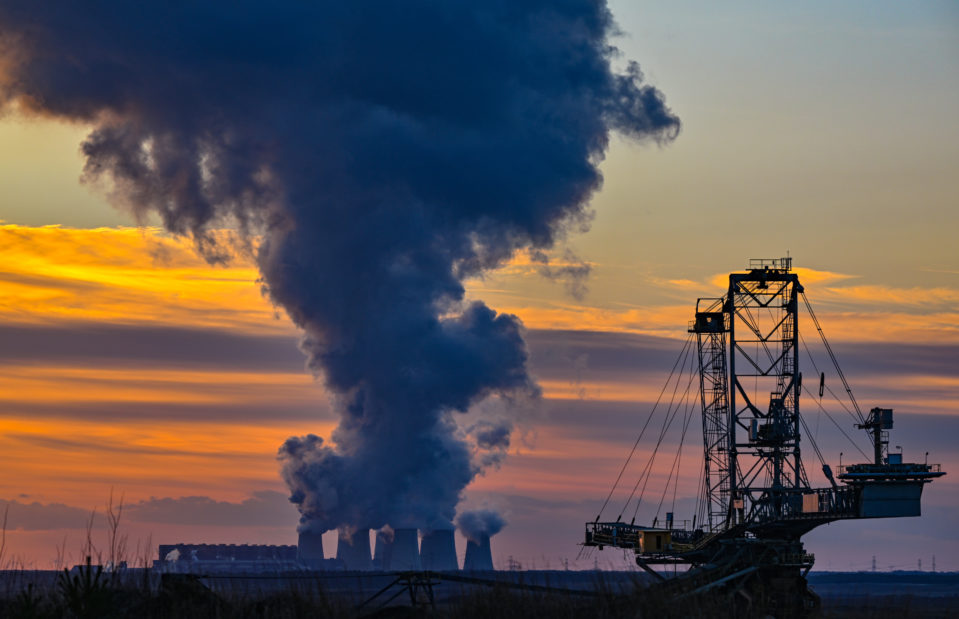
{"x":405,"y":553}
{"x":383,"y":550}
{"x":227,"y":557}
{"x":353,"y":550}
{"x":309,"y":548}
{"x":438,"y":551}
{"x":399,"y":550}
{"x":479,"y":555}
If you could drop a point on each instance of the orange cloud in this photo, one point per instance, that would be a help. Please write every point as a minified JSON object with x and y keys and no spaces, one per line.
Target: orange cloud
{"x":126,"y":275}
{"x":806,"y":275}
{"x":70,"y":450}
{"x":665,"y":321}
{"x":923,"y":298}
{"x":131,"y":276}
{"x":78,"y":462}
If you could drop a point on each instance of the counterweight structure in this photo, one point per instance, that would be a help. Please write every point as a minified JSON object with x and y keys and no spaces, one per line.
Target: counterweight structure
{"x":756,"y":500}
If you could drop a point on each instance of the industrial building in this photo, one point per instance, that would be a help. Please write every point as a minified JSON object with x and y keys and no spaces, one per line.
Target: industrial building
{"x":399,"y":550}
{"x":226,"y":557}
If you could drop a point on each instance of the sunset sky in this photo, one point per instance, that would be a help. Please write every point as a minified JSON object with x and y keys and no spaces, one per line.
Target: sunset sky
{"x":825,"y":131}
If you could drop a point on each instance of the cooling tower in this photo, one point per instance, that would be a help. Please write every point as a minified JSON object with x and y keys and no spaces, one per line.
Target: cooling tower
{"x":354,"y":552}
{"x":406,"y":554}
{"x":309,"y":548}
{"x":383,"y":551}
{"x":438,"y":551}
{"x":479,"y":557}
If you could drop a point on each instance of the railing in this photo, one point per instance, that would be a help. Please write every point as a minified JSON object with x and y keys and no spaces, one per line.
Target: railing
{"x":819,"y":503}
{"x":798,"y":558}
{"x":622,"y":535}
{"x":779,"y":264}
{"x":886,"y":469}
{"x":617,"y":534}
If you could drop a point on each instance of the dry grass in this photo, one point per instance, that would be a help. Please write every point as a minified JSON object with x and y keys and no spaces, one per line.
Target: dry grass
{"x":92,"y":592}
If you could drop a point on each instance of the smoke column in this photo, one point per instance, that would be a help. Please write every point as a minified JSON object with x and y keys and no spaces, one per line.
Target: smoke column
{"x":377,"y":154}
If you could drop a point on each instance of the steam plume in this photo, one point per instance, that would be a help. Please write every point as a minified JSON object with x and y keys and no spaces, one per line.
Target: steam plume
{"x":381,"y":152}
{"x":478,"y":523}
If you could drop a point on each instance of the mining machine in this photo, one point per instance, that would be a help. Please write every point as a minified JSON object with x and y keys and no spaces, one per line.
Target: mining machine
{"x":756,"y":501}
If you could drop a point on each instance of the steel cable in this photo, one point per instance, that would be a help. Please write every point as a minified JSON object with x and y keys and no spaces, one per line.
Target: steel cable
{"x":632,"y":451}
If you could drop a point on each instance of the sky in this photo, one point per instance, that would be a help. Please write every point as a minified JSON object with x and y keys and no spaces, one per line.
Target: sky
{"x":134,"y":367}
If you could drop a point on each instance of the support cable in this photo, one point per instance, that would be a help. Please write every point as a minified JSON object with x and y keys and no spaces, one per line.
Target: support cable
{"x":667,"y":422}
{"x":679,"y":463}
{"x":648,"y":467}
{"x":649,"y":464}
{"x":702,"y":498}
{"x":832,"y":393}
{"x":827,"y":387}
{"x":632,"y":451}
{"x":832,"y":356}
{"x":753,"y":323}
{"x":674,"y":469}
{"x":839,"y":427}
{"x":812,"y":441}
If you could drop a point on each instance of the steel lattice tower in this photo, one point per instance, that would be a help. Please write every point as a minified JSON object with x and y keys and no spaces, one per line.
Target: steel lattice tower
{"x":766,"y":471}
{"x":711,"y":326}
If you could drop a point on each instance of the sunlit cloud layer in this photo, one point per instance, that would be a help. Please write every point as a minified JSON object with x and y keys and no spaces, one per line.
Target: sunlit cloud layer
{"x":125,"y":276}
{"x":848,"y":311}
{"x":142,"y":275}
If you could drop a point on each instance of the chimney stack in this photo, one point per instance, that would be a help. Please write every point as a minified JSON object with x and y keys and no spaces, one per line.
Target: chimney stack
{"x":438,"y":551}
{"x":354,"y":551}
{"x":406,"y":554}
{"x":309,"y":548}
{"x":479,"y":556}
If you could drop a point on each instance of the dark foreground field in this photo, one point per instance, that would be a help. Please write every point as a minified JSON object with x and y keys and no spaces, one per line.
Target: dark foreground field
{"x":892,"y":594}
{"x":143,"y":594}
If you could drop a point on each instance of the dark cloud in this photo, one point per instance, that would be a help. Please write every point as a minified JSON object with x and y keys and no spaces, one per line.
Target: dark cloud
{"x":265,"y":508}
{"x":141,"y":345}
{"x":33,"y":280}
{"x":558,"y":354}
{"x":578,"y":357}
{"x":106,"y":447}
{"x":554,"y":354}
{"x":37,"y":516}
{"x":581,"y":356}
{"x":385,"y":152}
{"x":891,"y":358}
{"x":616,"y":423}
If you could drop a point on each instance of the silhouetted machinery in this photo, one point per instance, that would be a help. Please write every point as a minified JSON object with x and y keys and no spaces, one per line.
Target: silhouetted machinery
{"x":756,"y":501}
